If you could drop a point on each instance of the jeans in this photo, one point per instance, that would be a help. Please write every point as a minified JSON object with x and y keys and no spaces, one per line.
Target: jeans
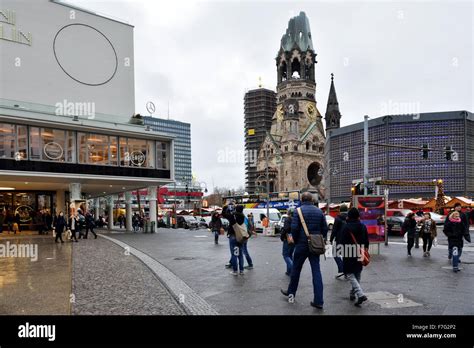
{"x":411,"y":242}
{"x":287,"y":253}
{"x":236,"y":254}
{"x":246,"y":254}
{"x":338,"y":259}
{"x":455,"y":254}
{"x":427,"y":242}
{"x":354,"y":278}
{"x":216,"y":236}
{"x":299,"y":257}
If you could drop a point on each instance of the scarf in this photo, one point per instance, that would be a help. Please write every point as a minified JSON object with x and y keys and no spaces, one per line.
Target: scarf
{"x":458,"y":220}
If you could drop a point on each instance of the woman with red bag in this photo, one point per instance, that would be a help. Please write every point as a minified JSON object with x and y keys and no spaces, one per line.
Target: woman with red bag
{"x":355,"y":240}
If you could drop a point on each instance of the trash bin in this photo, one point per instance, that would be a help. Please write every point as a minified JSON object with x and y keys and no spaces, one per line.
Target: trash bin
{"x":147,"y":226}
{"x":152,"y":227}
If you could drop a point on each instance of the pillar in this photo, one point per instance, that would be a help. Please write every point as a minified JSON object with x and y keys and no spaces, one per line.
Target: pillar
{"x":110,"y":208}
{"x":97,"y":208}
{"x":128,"y":211}
{"x":74,"y":196}
{"x":152,"y":190}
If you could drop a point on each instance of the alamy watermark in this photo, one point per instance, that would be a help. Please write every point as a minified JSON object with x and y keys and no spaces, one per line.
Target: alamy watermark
{"x":29,"y":251}
{"x":68,"y":108}
{"x":400,"y":108}
{"x":228,"y":155}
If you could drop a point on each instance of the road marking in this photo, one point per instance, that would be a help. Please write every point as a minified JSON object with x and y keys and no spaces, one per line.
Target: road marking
{"x":201,"y":236}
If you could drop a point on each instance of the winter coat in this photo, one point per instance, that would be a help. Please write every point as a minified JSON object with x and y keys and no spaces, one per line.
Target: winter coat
{"x":215,"y":224}
{"x":429,"y":230}
{"x":315,"y":221}
{"x":60,"y":224}
{"x":455,"y":231}
{"x":409,"y":225}
{"x":233,"y":218}
{"x":286,"y":230}
{"x":359,"y":230}
{"x":339,"y":223}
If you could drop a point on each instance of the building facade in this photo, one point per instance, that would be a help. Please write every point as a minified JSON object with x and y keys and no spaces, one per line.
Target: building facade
{"x":182,"y":144}
{"x":259,"y":108}
{"x":293,"y":150}
{"x":68,"y":134}
{"x":437,"y":129}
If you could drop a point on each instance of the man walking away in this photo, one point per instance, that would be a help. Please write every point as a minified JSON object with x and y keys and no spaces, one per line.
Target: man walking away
{"x":354,"y":236}
{"x":336,"y":238}
{"x":237,"y":257}
{"x":316,"y":224}
{"x":215,"y":225}
{"x":409,"y":226}
{"x":288,"y":242}
{"x":90,"y":225}
{"x":59,"y":226}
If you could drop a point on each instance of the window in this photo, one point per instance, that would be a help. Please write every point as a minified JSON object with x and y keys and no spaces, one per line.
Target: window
{"x":97,"y":149}
{"x":136,"y":153}
{"x":162,"y":155}
{"x":48,"y":144}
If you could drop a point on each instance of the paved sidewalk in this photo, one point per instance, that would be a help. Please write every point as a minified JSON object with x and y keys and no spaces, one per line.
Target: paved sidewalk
{"x":395,"y":284}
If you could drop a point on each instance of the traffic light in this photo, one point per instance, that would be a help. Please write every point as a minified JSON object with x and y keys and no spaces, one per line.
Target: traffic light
{"x":187,"y":194}
{"x":449,"y":152}
{"x":426,"y":151}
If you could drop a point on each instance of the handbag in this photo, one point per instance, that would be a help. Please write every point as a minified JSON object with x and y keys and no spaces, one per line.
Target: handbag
{"x":316,"y":243}
{"x":241,"y":233}
{"x":365,"y":257}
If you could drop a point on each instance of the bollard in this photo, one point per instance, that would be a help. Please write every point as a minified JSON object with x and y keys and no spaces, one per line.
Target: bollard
{"x":152,"y":227}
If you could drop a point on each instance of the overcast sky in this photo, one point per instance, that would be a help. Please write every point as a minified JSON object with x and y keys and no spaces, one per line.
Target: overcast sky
{"x":203,"y":56}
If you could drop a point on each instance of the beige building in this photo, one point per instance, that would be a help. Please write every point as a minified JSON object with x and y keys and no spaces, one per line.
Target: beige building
{"x":294,"y":147}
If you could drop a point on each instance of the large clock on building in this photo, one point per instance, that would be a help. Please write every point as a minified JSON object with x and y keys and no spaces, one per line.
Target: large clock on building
{"x":291,"y":107}
{"x":311,"y":111}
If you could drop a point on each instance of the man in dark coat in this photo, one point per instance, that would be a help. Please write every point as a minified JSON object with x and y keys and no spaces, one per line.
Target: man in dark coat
{"x":336,"y":238}
{"x":316,"y":223}
{"x":354,"y":236}
{"x":237,"y":256}
{"x":288,"y":243}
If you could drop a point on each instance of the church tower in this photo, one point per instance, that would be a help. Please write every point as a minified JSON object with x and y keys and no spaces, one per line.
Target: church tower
{"x":294,"y":146}
{"x":333,"y":115}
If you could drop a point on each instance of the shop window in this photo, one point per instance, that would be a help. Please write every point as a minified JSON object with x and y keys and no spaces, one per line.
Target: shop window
{"x":13,"y":141}
{"x":48,"y":144}
{"x":162,"y":155}
{"x":97,"y":149}
{"x":136,"y":153}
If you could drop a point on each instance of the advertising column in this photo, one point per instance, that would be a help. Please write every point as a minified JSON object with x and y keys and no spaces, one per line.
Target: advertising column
{"x":152,"y":190}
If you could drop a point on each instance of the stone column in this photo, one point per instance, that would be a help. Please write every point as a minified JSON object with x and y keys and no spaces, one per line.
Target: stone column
{"x":74,"y":195}
{"x":97,"y":208}
{"x":128,"y":211}
{"x":110,"y":206}
{"x":152,"y":204}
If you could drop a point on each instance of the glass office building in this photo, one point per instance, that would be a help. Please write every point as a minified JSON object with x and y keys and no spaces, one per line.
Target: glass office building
{"x":438,"y":130}
{"x":182,"y":144}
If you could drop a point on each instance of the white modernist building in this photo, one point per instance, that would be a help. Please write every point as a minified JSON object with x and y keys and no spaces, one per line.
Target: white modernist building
{"x":68,"y":134}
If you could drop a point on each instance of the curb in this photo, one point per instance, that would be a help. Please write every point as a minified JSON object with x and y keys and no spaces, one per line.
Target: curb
{"x":192,"y":303}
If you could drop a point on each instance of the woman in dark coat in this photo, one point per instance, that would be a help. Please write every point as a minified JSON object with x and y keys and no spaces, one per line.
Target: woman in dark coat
{"x":428,"y":233}
{"x":455,"y":230}
{"x":59,"y":226}
{"x":354,"y":229}
{"x":215,"y":225}
{"x":409,"y":226}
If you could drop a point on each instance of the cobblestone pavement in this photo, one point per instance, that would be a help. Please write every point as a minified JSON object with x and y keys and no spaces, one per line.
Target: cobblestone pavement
{"x":395,"y":284}
{"x":106,"y":281}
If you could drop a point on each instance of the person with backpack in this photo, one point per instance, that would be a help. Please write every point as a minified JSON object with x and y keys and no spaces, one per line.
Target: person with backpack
{"x":308,"y":222}
{"x":237,"y":257}
{"x":428,"y":233}
{"x":288,"y":242}
{"x":355,"y":235}
{"x":215,"y":225}
{"x":409,"y":226}
{"x":336,"y":238}
{"x":59,"y":225}
{"x":455,"y":230}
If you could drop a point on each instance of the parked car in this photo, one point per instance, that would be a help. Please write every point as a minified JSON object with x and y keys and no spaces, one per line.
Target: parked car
{"x":439,"y":219}
{"x":225,"y":223}
{"x":187,"y":222}
{"x":204,"y":221}
{"x":330,"y":222}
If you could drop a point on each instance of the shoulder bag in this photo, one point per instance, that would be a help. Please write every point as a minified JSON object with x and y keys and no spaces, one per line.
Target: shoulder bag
{"x":365,"y":257}
{"x":316,"y":243}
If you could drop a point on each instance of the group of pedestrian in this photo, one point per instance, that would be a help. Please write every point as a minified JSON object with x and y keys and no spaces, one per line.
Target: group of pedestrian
{"x":238,"y":249}
{"x":76,"y":224}
{"x":11,"y":220}
{"x":138,"y":222}
{"x":300,"y":242}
